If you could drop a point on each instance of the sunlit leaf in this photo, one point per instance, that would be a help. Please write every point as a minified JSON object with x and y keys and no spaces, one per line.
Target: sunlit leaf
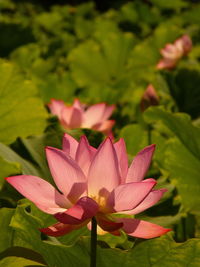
{"x":8,"y":169}
{"x":19,"y":262}
{"x":21,"y":111}
{"x":181,"y":154}
{"x":135,"y":136}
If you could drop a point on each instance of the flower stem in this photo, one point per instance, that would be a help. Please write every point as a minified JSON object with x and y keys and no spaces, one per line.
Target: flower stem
{"x":93,"y":254}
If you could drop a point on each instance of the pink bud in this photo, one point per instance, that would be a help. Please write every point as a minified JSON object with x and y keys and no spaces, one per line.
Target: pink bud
{"x":172,"y":53}
{"x":149,"y":98}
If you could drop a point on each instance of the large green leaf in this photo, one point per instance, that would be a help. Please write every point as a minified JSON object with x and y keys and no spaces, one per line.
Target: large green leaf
{"x":19,"y":262}
{"x":12,"y":164}
{"x":148,"y":253}
{"x":105,"y":76}
{"x":58,"y":86}
{"x":180,"y":125}
{"x":156,"y":252}
{"x":181,"y":154}
{"x":35,"y":146}
{"x":6,"y":231}
{"x":8,"y":168}
{"x":101,"y":63}
{"x":54,"y":253}
{"x":184,"y":169}
{"x":88,"y":72}
{"x":23,"y":254}
{"x":11,"y":156}
{"x":21,"y":110}
{"x":135,"y":136}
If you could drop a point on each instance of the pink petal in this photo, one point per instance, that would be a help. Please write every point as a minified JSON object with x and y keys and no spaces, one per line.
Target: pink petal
{"x":140,"y":164}
{"x":151,"y":199}
{"x":187,"y":44}
{"x":149,"y":98}
{"x":107,"y":112}
{"x":56,"y":107}
{"x":71,"y":117}
{"x":111,"y":136}
{"x":59,"y":229}
{"x":148,"y":180}
{"x":67,"y":175}
{"x":142,"y":229}
{"x":166,"y":64}
{"x":77,"y":104}
{"x":65,"y":116}
{"x":76,"y":118}
{"x":84,"y":155}
{"x":171,"y":53}
{"x":69,"y":145}
{"x":83,"y":210}
{"x":128,"y":196}
{"x":179,"y":48}
{"x":104,"y":126}
{"x":104,"y":171}
{"x":93,"y":150}
{"x":120,"y":149}
{"x":170,"y":48}
{"x":108,"y":225}
{"x":93,"y":114}
{"x":40,"y":192}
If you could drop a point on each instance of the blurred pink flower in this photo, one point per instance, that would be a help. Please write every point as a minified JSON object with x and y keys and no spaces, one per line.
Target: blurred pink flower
{"x":149,"y":98}
{"x":78,"y":116}
{"x":172,"y":53}
{"x":94,"y":182}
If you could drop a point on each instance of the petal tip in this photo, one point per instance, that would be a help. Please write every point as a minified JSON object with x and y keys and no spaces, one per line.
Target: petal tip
{"x":150,"y":180}
{"x":165,"y":230}
{"x":153,"y":146}
{"x":109,"y":139}
{"x":47,"y":148}
{"x":53,"y":149}
{"x":83,"y":137}
{"x":148,"y":149}
{"x":11,"y":178}
{"x":65,"y":135}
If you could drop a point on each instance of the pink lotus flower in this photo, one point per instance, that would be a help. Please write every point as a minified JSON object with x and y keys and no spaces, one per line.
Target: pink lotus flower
{"x":77,"y":116}
{"x":94,"y":182}
{"x":149,"y":98}
{"x":172,"y":53}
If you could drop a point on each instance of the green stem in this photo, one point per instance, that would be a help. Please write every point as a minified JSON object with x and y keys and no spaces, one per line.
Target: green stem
{"x":93,"y":254}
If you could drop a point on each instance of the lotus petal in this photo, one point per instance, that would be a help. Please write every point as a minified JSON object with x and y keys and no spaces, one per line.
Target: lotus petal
{"x":40,"y":192}
{"x":66,"y":173}
{"x":142,"y":229}
{"x":128,"y":196}
{"x":140,"y":164}
{"x":83,"y":210}
{"x":103,"y":174}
